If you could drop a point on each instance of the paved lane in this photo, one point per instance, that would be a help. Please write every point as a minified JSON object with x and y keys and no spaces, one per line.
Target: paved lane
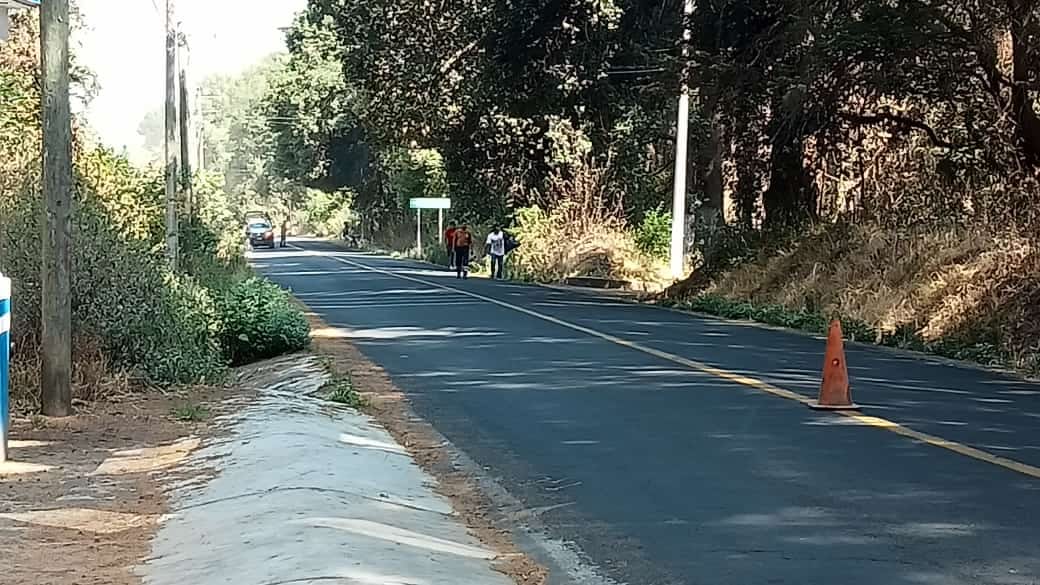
{"x":659,"y":474}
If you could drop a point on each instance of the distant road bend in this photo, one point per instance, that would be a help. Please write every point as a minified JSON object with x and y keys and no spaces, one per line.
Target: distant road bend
{"x":661,"y":448}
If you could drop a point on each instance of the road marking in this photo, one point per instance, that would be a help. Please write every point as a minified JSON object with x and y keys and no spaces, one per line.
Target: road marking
{"x":866,"y":420}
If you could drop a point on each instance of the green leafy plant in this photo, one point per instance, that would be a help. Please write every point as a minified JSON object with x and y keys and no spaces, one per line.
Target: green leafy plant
{"x":653,"y":235}
{"x":191,"y":413}
{"x":983,"y":351}
{"x":340,"y":389}
{"x":260,"y":321}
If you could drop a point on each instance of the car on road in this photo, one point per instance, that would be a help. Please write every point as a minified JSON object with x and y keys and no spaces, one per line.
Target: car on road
{"x":260,"y":234}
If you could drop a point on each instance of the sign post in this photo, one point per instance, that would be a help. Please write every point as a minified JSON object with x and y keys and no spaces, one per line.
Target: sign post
{"x":421,"y":203}
{"x":5,"y":357}
{"x":418,"y":229}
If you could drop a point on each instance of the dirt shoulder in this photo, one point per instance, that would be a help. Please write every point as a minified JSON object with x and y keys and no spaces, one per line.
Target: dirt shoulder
{"x":390,"y":407}
{"x":83,"y":495}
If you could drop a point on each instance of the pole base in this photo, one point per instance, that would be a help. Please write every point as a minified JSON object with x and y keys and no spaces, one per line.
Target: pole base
{"x":815,"y":405}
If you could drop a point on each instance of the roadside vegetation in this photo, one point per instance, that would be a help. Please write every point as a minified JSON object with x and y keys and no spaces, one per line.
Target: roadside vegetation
{"x":878,"y":165}
{"x":340,"y":389}
{"x":960,"y":292}
{"x":136,"y":322}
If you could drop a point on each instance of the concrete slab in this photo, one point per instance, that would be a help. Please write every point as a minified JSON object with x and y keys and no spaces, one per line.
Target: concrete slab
{"x":306,"y":491}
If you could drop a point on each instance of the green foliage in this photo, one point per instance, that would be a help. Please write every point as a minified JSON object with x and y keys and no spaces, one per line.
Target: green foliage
{"x":436,"y":254}
{"x":131,"y":198}
{"x":219,"y":216}
{"x":653,"y":236}
{"x":775,"y":315}
{"x":191,"y":413}
{"x":986,"y":352}
{"x":161,"y":325}
{"x":260,"y":321}
{"x":340,"y":389}
{"x":416,"y":173}
{"x":325,"y":213}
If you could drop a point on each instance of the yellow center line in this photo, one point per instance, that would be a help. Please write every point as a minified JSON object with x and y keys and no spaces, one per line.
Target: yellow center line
{"x":866,"y":420}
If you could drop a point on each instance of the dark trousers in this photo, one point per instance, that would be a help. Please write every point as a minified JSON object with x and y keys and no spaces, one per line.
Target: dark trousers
{"x":496,"y":265}
{"x":461,"y":260}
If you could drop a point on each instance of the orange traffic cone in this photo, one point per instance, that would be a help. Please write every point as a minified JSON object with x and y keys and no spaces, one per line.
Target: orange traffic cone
{"x":834,"y":390}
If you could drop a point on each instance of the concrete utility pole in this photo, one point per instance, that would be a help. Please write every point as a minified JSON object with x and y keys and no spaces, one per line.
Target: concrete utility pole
{"x":170,"y":147}
{"x":678,"y":247}
{"x":56,"y":302}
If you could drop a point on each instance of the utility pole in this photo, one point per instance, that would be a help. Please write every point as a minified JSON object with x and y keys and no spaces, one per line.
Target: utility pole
{"x":678,"y":247}
{"x":170,"y":147}
{"x":200,"y":132}
{"x":56,"y":302}
{"x":185,"y":147}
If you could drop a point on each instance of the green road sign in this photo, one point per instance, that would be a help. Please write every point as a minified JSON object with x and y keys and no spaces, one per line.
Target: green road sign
{"x":429,"y":203}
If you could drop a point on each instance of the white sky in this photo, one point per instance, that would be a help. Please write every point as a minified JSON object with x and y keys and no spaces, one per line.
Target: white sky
{"x":123,"y":43}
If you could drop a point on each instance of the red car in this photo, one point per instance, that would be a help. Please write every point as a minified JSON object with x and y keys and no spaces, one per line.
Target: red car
{"x":261,"y":235}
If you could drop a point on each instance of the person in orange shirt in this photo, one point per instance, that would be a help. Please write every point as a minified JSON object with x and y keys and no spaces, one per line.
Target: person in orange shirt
{"x":462,"y":240}
{"x":449,"y":242}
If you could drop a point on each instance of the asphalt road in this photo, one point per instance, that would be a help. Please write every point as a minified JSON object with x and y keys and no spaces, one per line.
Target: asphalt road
{"x":656,"y":473}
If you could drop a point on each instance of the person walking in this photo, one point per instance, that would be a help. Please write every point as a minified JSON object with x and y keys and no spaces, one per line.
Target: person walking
{"x":449,"y":242}
{"x":462,"y":240}
{"x":495,"y":246}
{"x":285,"y":229}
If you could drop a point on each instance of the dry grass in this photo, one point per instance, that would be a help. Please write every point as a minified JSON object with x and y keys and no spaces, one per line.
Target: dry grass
{"x":944,"y":283}
{"x":555,"y":247}
{"x":94,"y":376}
{"x":584,"y":234}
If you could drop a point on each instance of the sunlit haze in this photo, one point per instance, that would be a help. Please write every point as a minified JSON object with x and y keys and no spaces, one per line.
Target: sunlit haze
{"x":123,"y":43}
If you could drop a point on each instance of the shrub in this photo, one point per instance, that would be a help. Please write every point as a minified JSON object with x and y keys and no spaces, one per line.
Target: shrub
{"x":209,"y":261}
{"x":986,"y":350}
{"x":144,"y":319}
{"x":260,"y":321}
{"x":192,"y":353}
{"x":325,"y":213}
{"x":653,"y":236}
{"x":582,"y":232}
{"x":436,"y":253}
{"x":341,"y":389}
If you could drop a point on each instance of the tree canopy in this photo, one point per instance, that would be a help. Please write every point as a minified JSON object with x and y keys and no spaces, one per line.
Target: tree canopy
{"x":896,"y":110}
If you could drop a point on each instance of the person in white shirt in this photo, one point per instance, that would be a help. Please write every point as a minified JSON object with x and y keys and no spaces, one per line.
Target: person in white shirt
{"x":496,"y":248}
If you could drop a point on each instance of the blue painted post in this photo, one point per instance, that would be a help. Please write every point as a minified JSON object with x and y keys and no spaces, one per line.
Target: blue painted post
{"x":5,"y":355}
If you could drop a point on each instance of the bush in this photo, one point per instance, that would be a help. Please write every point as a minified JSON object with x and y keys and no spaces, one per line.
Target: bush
{"x":145,"y":320}
{"x":325,"y":213}
{"x":260,"y":321}
{"x":209,"y":261}
{"x":436,"y":253}
{"x":578,"y":240}
{"x":583,"y":233}
{"x":983,"y":351}
{"x":654,"y":235}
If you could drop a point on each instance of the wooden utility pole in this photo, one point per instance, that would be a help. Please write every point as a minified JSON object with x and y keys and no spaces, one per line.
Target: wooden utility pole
{"x":170,"y":146}
{"x":56,"y":302}
{"x":185,"y":147}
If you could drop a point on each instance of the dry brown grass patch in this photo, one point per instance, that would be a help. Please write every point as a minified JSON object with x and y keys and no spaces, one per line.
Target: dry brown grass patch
{"x":94,"y":376}
{"x":941,"y":283}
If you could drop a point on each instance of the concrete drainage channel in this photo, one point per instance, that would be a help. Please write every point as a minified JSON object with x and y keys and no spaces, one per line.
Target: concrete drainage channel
{"x":303,"y":490}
